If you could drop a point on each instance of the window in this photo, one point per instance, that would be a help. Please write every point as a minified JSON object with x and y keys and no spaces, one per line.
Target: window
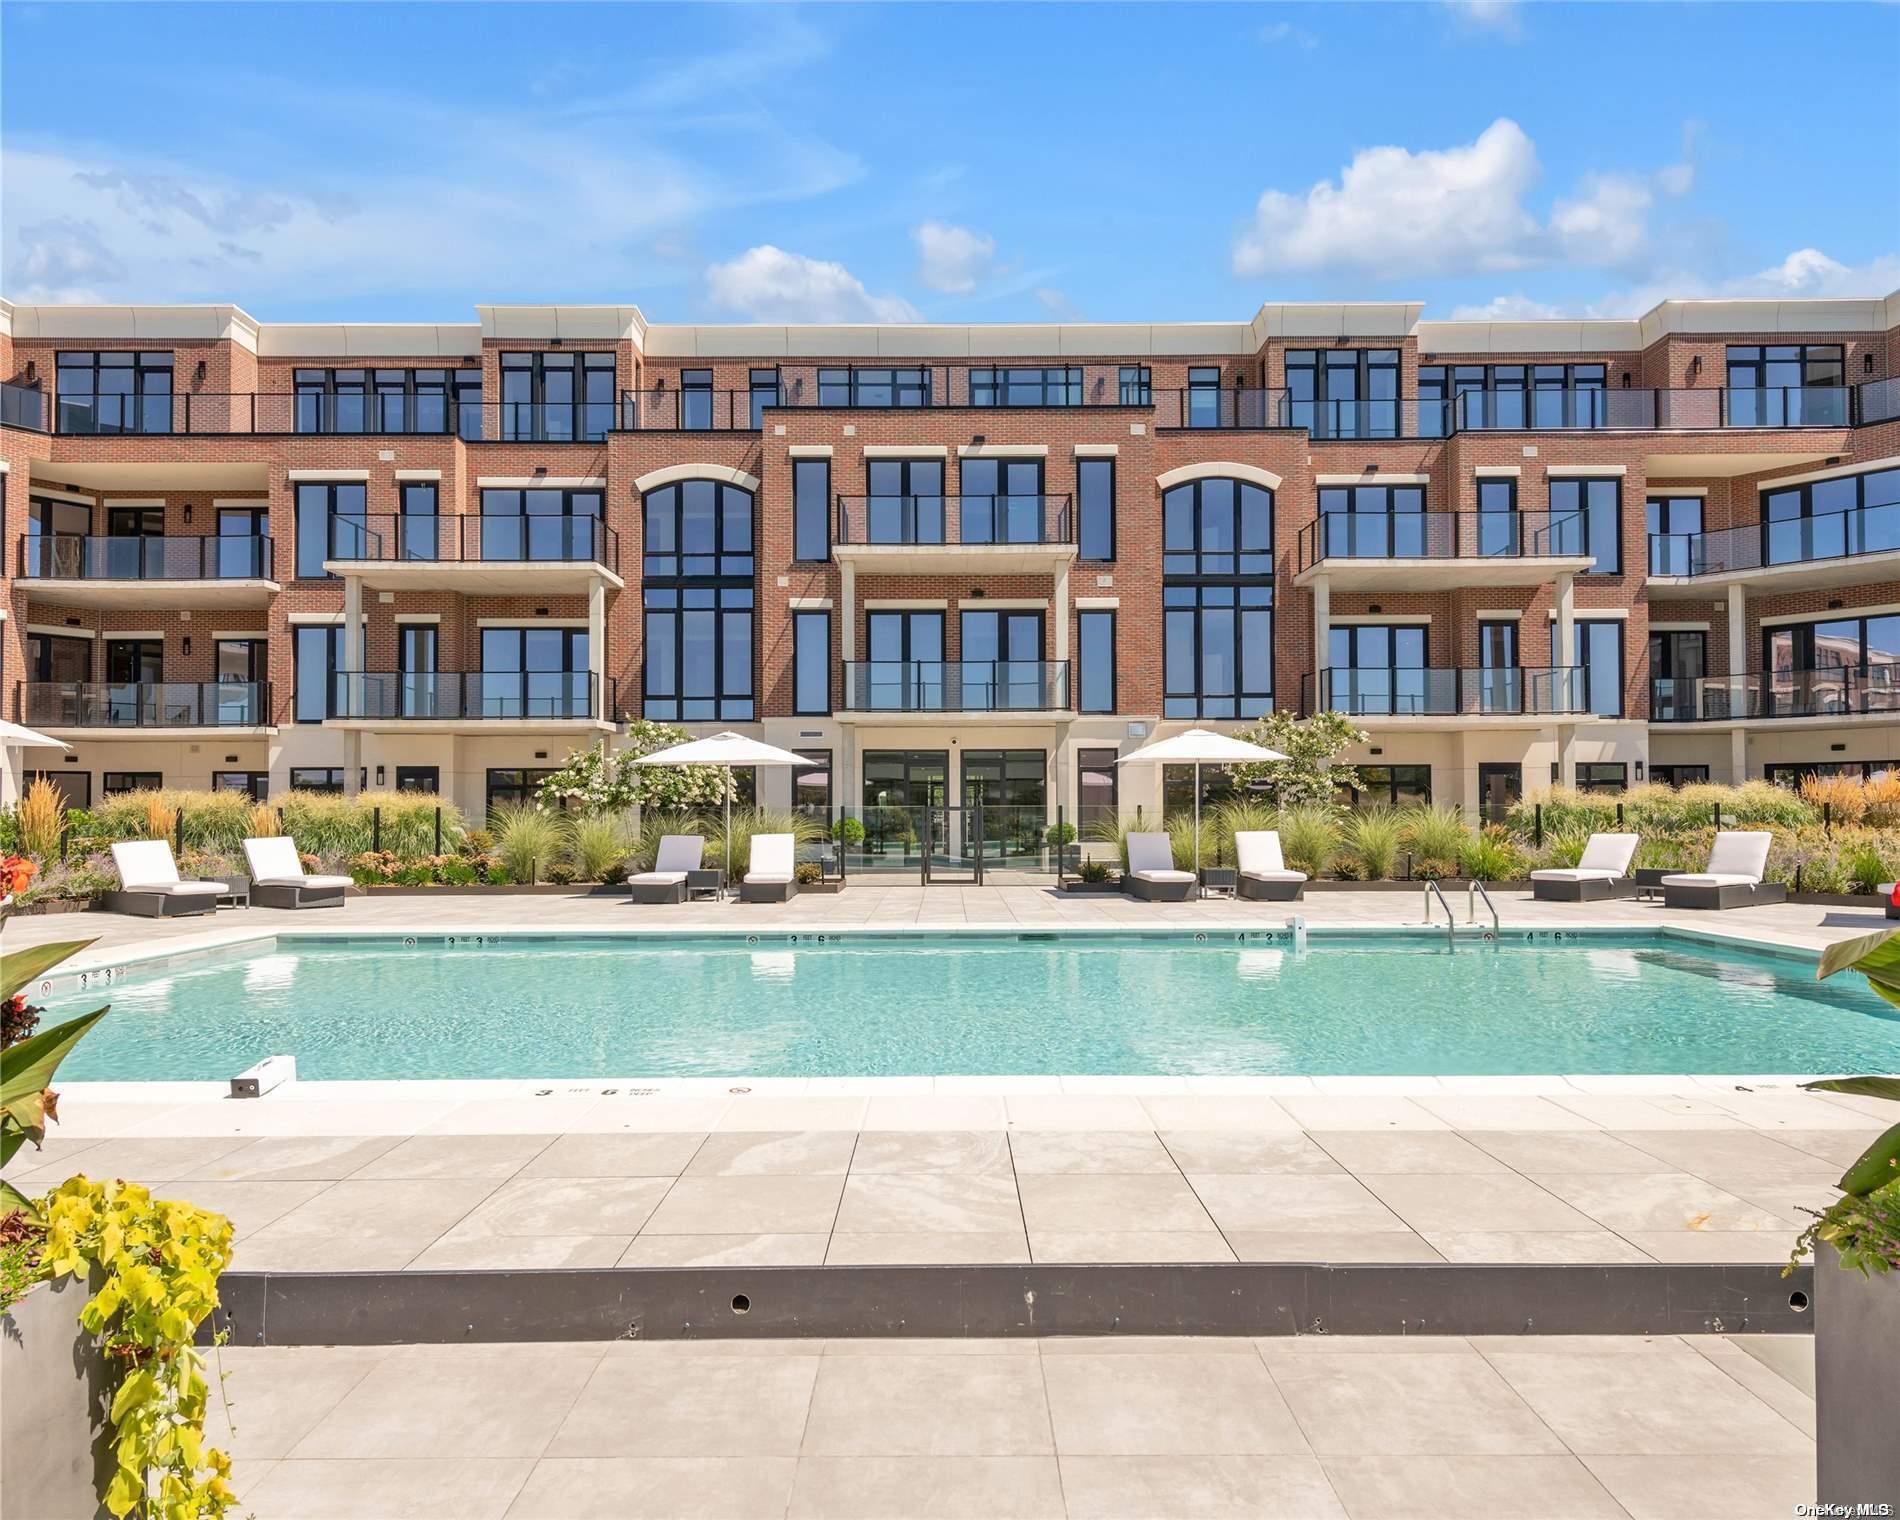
{"x":252,"y":784}
{"x":419,"y":532}
{"x":1678,"y":660}
{"x":1376,"y":522}
{"x":426,"y":779}
{"x":1095,"y":661}
{"x":317,"y":653}
{"x":1467,"y":397}
{"x":1390,"y":786}
{"x":852,"y":386}
{"x":1787,"y":385}
{"x":811,"y":783}
{"x":468,"y":404}
{"x":1217,"y":599}
{"x":540,"y":523}
{"x":1586,"y":517}
{"x":74,"y":787}
{"x":56,"y":534}
{"x":1001,"y":502}
{"x":51,"y":657}
{"x":244,"y":543}
{"x":1097,"y":790}
{"x":763,"y":385}
{"x":698,"y":653}
{"x":1136,"y":382}
{"x":1002,"y":664}
{"x":535,"y":672}
{"x":332,"y":523}
{"x":305,"y":778}
{"x":1675,"y":522}
{"x":903,"y":670}
{"x":905,"y":502}
{"x":1498,"y":527}
{"x":1602,"y":776}
{"x":1792,"y":775}
{"x":1026,"y":385}
{"x":811,"y":662}
{"x":515,"y":785}
{"x":811,"y":509}
{"x":1830,"y":519}
{"x":696,"y":399}
{"x":115,"y":392}
{"x":1679,"y":775}
{"x":380,"y":400}
{"x":1376,"y":668}
{"x":1095,"y":508}
{"x":1217,"y":527}
{"x":1844,"y":664}
{"x":114,"y":782}
{"x":697,"y":529}
{"x":1344,"y":392}
{"x":1203,"y":397}
{"x":1598,"y":651}
{"x":557,"y":398}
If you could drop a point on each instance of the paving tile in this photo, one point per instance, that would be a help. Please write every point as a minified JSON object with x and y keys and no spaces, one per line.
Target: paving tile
{"x":1167,"y":1406}
{"x":1084,"y":1111}
{"x":1668,"y":1402}
{"x":1790,"y":1402}
{"x":1661,"y":1201}
{"x":1396,"y":1151}
{"x":1333,"y":1246}
{"x":273,"y":1396}
{"x":656,"y":1488}
{"x":748,"y":1206}
{"x":1630,"y":1111}
{"x":1146,"y":1345}
{"x":1290,"y":1202}
{"x":1478,"y":1111}
{"x":415,"y":1488}
{"x":967,"y":1152}
{"x":1276,"y":1349}
{"x":248,"y":1205}
{"x":756,"y":1113}
{"x":1206,"y":1111}
{"x":1501,"y":1201}
{"x":710,"y":1406}
{"x":927,"y":1488}
{"x":725,"y":1251}
{"x":478,"y":1250}
{"x":1791,"y":1195}
{"x":939,"y":1345}
{"x":808,"y":1153}
{"x":1460,"y":1487}
{"x":567,"y":1206}
{"x":939,"y":1110}
{"x":160,"y":1159}
{"x":454,"y":1157}
{"x":1728,"y":1487}
{"x":939,"y":1203}
{"x":1839,"y":1148}
{"x":1535,"y":1152}
{"x":1082,"y":1151}
{"x":1198,"y":1488}
{"x":361,"y":1226}
{"x":1706,"y":1151}
{"x":296,"y":1158}
{"x":927,"y":1248}
{"x":1228,"y":1150}
{"x":1530,"y":1246}
{"x":1336,"y":1111}
{"x":1790,"y":1357}
{"x":1431,"y":1405}
{"x":449,"y":1401}
{"x":1079,"y":1204}
{"x":615,"y":1155}
{"x":902,"y":1405}
{"x":1130,"y":1245}
{"x":1684,"y":1246}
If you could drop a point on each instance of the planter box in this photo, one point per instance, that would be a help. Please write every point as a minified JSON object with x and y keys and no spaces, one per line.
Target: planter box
{"x":1856,"y":1382}
{"x":58,"y":905}
{"x":55,"y":1451}
{"x":1110,"y":886}
{"x":540,"y":889}
{"x":1446,"y":884}
{"x":827,"y":888}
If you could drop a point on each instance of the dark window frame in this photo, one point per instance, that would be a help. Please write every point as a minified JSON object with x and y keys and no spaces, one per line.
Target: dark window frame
{"x":1135,"y":385}
{"x":728,"y":561}
{"x":129,"y":781}
{"x":252,"y":784}
{"x":1055,"y":385}
{"x":1318,"y":412}
{"x":1085,"y":467}
{"x":144,"y":401}
{"x":802,"y":620}
{"x":1082,"y":620}
{"x":1580,"y":656}
{"x":589,"y":419}
{"x":846,"y":385}
{"x":357,"y":541}
{"x":801,"y":542}
{"x":333,"y":662}
{"x":1583,"y":515}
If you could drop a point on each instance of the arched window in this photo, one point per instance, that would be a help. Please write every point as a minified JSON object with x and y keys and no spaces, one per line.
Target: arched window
{"x":696,"y":591}
{"x":1217,"y":598}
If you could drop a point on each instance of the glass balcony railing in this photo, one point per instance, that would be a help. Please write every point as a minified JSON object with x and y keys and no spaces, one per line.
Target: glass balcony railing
{"x":1787,"y":541}
{"x":459,"y":538}
{"x":954,"y":519}
{"x":145,"y":704}
{"x":1444,"y":691}
{"x":501,"y":695}
{"x":60,"y":556}
{"x":23,"y":406}
{"x":1840,"y":691}
{"x":956,"y":685}
{"x":1442,"y":535}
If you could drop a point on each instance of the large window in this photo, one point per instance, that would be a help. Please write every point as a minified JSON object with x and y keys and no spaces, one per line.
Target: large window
{"x":1376,"y":668}
{"x":1679,"y":775}
{"x":113,"y":783}
{"x":540,"y":523}
{"x":903,"y":502}
{"x":1136,"y":386}
{"x":811,"y":783}
{"x":115,"y":392}
{"x":1344,"y":392}
{"x":762,"y":386}
{"x":326,"y":779}
{"x":1390,"y":786}
{"x":1026,"y":385}
{"x":535,"y":672}
{"x":873,"y":386}
{"x":1828,"y":519}
{"x":515,"y":785}
{"x":1001,"y":502}
{"x":1463,"y":397}
{"x":1586,"y":517}
{"x":1095,"y":508}
{"x":1375,"y":522}
{"x":1598,"y":651}
{"x":1675,"y":522}
{"x":1787,"y":385}
{"x":1097,"y":790}
{"x":557,"y":398}
{"x":1095,"y":661}
{"x":1602,"y":776}
{"x":332,"y":523}
{"x":252,"y":784}
{"x":811,"y":509}
{"x":1217,"y":599}
{"x":387,"y":400}
{"x":698,"y":603}
{"x":1843,"y":664}
{"x":317,"y":650}
{"x":811,"y":662}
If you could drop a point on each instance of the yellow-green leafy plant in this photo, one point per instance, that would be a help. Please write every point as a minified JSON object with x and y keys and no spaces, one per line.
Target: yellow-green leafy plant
{"x":1434,"y":832}
{"x":1181,"y":840}
{"x":527,"y":839}
{"x":1309,"y":838}
{"x":1371,"y":838}
{"x":265,"y":824}
{"x":29,"y":1056}
{"x":40,"y":815}
{"x":598,"y":842}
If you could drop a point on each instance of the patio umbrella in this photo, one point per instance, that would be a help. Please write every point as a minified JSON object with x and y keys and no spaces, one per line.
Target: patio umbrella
{"x":726,"y":750}
{"x":12,"y":736}
{"x":1198,"y":747}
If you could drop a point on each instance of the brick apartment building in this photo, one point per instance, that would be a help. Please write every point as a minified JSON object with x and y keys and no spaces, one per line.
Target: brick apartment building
{"x":940,"y":560}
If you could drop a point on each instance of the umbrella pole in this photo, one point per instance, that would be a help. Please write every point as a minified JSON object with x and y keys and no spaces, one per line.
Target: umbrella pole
{"x":1197,"y":828}
{"x":728,"y":828}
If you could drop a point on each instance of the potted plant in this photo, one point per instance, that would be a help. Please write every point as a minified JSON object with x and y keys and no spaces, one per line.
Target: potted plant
{"x":1857,"y":1307}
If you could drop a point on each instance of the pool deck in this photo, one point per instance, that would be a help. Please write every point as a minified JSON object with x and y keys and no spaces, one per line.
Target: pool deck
{"x":960,"y":1170}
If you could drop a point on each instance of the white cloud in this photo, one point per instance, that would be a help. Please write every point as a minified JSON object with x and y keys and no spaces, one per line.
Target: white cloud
{"x":1395,"y":211}
{"x":1274,"y":33}
{"x":1501,"y":17}
{"x":1516,"y":307}
{"x":768,"y":284}
{"x":952,"y":258}
{"x":1807,"y":272}
{"x":1810,"y":272}
{"x":1057,"y":304}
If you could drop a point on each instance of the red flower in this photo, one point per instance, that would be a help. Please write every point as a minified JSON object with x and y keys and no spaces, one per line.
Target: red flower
{"x":16,"y":873}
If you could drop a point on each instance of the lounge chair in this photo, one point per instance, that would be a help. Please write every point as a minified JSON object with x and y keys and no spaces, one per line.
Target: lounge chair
{"x":666,"y":882}
{"x":1263,"y":874}
{"x":1601,"y":873}
{"x":1886,"y":896}
{"x":149,"y":884}
{"x":278,"y":879}
{"x":1733,"y":879}
{"x":769,"y":875}
{"x":1151,"y":875}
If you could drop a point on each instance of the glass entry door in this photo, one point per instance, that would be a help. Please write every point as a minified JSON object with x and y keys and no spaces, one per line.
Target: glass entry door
{"x":1012,"y":789}
{"x":905,"y":792}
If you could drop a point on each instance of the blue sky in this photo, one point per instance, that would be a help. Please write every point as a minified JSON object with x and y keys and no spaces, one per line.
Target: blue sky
{"x":945,"y":163}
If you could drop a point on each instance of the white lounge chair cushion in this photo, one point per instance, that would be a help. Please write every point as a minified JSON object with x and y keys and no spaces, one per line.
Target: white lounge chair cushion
{"x":658,"y":878}
{"x":1258,"y":853}
{"x":183,"y":888}
{"x":771,"y":863}
{"x":274,"y":860}
{"x":1578,"y":874}
{"x":1607,"y":854}
{"x":145,"y":865}
{"x":1885,"y":889}
{"x":1168,"y":875}
{"x":1149,"y":852}
{"x":766,"y":879}
{"x":678,"y":853}
{"x":1712,"y":879}
{"x":300,"y":881}
{"x":1739,"y":854}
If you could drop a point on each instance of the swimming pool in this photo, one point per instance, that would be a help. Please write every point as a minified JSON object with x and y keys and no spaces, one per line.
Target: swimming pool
{"x":867,"y":1005}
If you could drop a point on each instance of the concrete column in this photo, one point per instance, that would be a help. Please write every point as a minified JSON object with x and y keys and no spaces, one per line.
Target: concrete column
{"x":1061,"y":609}
{"x":353,"y":681}
{"x":1567,"y":754}
{"x":1738,"y":755}
{"x":1322,"y":589}
{"x":597,"y":647}
{"x":1737,"y":663}
{"x":847,"y":611}
{"x":1563,"y":649}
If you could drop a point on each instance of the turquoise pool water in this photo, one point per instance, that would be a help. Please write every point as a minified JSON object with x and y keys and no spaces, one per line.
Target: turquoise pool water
{"x":1040,"y":1004}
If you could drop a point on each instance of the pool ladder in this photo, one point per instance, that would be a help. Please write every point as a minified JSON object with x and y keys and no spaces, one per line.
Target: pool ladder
{"x":1472,"y":894}
{"x":1432,"y":889}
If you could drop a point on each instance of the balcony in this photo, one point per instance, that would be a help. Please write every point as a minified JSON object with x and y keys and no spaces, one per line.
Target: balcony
{"x":532,"y":701}
{"x":1879,"y":401}
{"x":22,"y":406}
{"x":158,"y":573}
{"x":1422,"y":551}
{"x":1209,"y":407}
{"x":923,"y":535}
{"x":1821,"y":697}
{"x":913,"y":689}
{"x":1827,"y":549}
{"x":480,"y":555}
{"x":1448,"y":697}
{"x":272,"y":413}
{"x":146,"y":709}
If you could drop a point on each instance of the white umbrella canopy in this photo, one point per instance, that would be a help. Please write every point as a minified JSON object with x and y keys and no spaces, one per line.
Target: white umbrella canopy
{"x":1198,"y":747}
{"x":726,"y":750}
{"x":12,"y":736}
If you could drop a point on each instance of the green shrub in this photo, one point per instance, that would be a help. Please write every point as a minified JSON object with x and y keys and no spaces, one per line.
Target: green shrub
{"x":1093,"y":870}
{"x":1866,"y":866}
{"x":747,"y":822}
{"x":1563,"y":851}
{"x":655,"y":825}
{"x":527,"y":840}
{"x":1493,"y":855}
{"x":598,"y":842}
{"x":10,"y":828}
{"x":1433,"y":832}
{"x":561,"y":874}
{"x":848,"y":831}
{"x":808,"y":873}
{"x":478,"y":842}
{"x":1180,"y":830}
{"x":1370,"y":839}
{"x":1434,"y":868}
{"x":1309,"y":838}
{"x":1060,"y":834}
{"x":453,"y":871}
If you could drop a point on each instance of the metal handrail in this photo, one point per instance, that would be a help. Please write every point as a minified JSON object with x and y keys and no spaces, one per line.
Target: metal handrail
{"x":1432,"y":889}
{"x":1472,"y":893}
